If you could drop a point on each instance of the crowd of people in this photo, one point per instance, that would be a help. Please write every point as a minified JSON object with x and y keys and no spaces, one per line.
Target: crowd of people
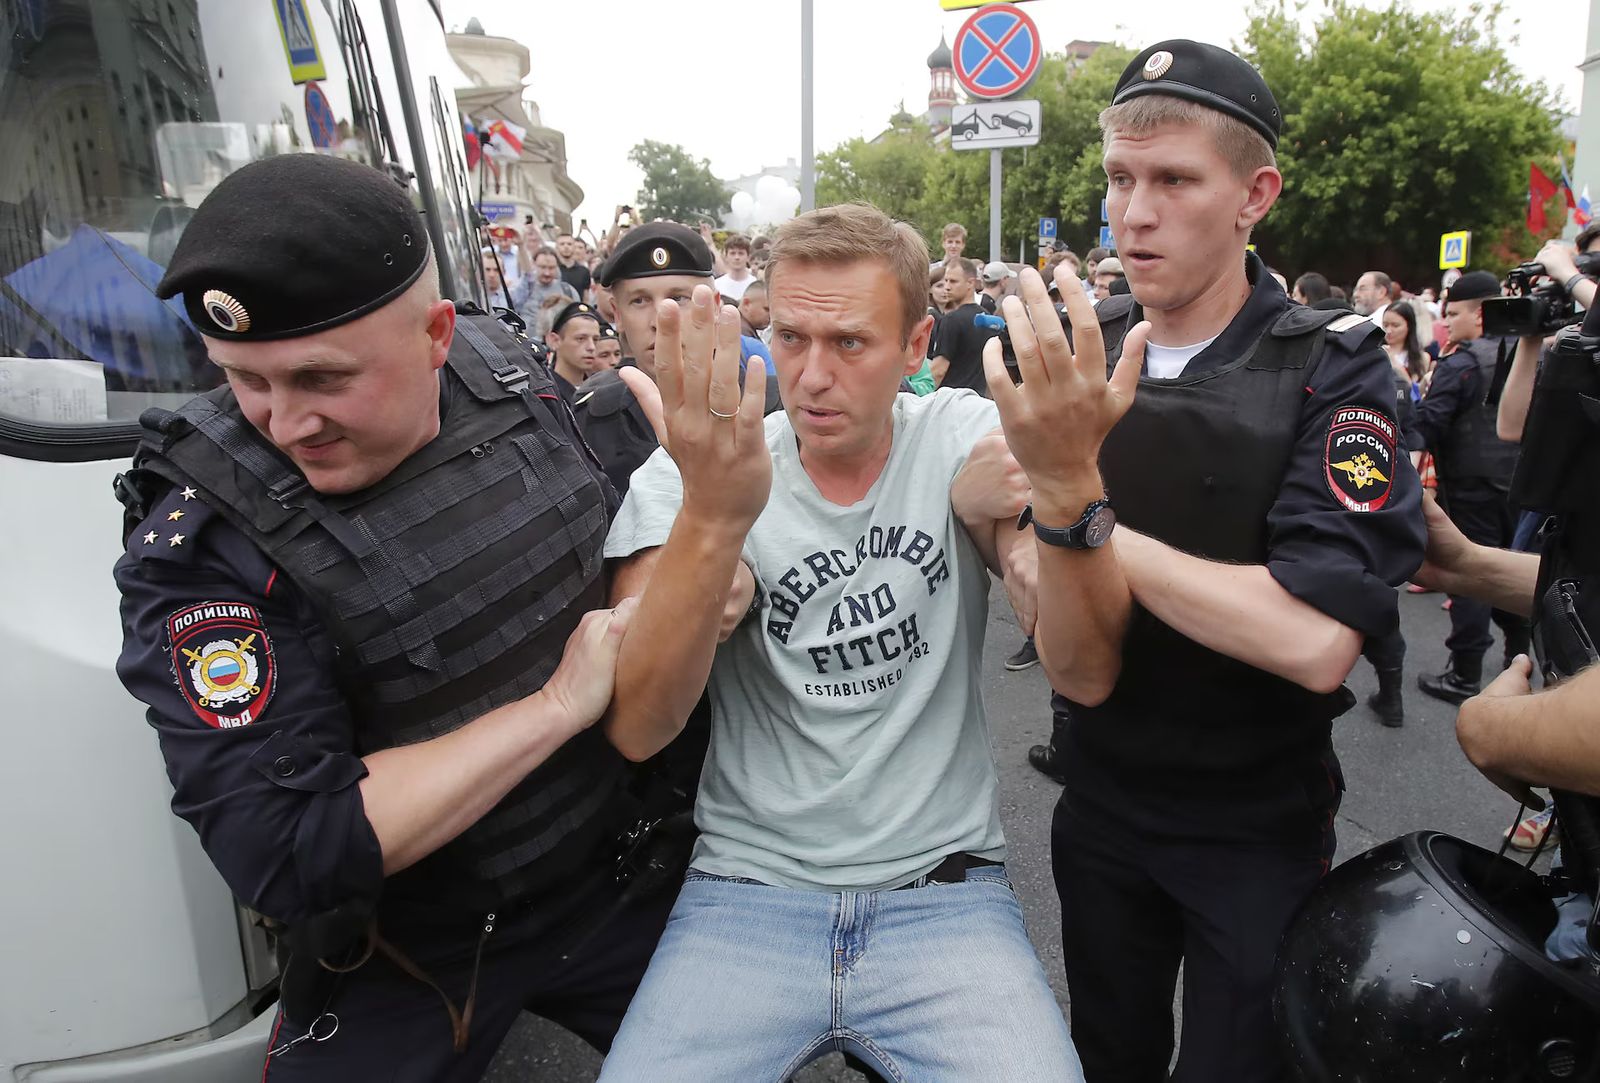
{"x":641,"y":689}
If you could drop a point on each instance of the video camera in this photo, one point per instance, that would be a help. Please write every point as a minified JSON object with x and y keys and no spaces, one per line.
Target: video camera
{"x":1532,"y":309}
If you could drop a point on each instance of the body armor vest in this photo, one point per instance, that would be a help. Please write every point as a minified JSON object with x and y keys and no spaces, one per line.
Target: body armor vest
{"x":1197,"y":462}
{"x":1472,"y":448}
{"x":449,"y":588}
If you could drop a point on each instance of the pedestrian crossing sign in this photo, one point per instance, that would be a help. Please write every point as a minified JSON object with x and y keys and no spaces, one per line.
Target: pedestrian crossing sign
{"x":1453,"y":249}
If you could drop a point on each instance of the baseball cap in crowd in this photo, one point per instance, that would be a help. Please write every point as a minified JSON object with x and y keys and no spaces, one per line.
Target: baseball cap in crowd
{"x":996,"y":272}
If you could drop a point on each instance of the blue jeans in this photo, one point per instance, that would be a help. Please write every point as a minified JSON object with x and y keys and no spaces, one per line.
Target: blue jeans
{"x":752,"y":982}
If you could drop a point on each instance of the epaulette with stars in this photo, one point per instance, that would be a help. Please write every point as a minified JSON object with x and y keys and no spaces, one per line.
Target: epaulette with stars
{"x":171,"y":531}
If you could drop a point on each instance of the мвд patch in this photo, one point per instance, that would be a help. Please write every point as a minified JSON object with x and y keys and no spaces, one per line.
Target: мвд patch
{"x":1359,"y":461}
{"x":223,"y":663}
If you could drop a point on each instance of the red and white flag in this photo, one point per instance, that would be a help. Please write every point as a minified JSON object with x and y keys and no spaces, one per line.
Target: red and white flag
{"x":502,"y":139}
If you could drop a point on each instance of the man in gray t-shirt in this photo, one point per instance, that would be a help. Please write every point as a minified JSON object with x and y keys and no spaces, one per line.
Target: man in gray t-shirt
{"x":817,"y":570}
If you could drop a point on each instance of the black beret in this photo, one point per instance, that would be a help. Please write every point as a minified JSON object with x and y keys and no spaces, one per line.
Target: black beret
{"x":607,"y":331}
{"x":1472,"y":286}
{"x":660,"y":248}
{"x":296,"y":244}
{"x":1205,"y":74}
{"x":572,"y":311}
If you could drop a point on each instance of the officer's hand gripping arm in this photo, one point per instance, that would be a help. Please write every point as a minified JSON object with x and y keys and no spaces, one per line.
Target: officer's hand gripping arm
{"x":420,"y":796}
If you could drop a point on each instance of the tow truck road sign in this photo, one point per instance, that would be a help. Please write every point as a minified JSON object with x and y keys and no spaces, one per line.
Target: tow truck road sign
{"x":991,"y":125}
{"x":997,"y":52}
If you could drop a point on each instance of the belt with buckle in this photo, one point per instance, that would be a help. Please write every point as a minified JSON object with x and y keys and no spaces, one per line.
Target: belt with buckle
{"x":952,"y":870}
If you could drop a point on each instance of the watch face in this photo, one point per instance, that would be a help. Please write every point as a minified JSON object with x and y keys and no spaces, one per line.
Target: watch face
{"x":1099,"y":528}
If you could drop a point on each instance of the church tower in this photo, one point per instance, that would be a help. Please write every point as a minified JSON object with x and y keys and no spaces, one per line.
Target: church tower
{"x":941,"y":86}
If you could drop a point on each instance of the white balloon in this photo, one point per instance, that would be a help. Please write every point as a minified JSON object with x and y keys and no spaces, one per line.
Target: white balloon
{"x":743,"y":203}
{"x":768,"y":187}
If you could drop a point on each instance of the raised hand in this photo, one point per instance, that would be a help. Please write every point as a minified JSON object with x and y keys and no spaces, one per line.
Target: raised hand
{"x":1057,"y":418}
{"x":714,"y":433}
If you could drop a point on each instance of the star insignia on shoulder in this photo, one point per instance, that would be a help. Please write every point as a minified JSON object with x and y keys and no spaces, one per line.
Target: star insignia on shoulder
{"x":150,"y":538}
{"x":175,"y":515}
{"x":188,"y":492}
{"x":175,"y":540}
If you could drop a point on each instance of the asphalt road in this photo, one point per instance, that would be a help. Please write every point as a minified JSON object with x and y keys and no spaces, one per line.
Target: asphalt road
{"x":1399,"y":780}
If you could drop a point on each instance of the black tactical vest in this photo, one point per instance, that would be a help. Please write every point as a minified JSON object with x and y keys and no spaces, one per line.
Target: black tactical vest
{"x":449,"y":588}
{"x":1197,"y":462}
{"x":1472,"y":448}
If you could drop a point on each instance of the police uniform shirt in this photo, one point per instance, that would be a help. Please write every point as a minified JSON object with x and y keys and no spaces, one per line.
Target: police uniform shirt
{"x":1455,"y":387}
{"x":1343,"y":562}
{"x":270,"y":783}
{"x":267,"y":773}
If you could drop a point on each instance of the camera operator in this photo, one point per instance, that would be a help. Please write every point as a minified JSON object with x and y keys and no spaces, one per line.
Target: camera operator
{"x":1557,"y":259}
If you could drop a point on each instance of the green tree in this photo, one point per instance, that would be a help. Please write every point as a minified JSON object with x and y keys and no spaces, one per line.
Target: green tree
{"x":892,"y":173}
{"x":677,"y":185}
{"x":1398,"y":126}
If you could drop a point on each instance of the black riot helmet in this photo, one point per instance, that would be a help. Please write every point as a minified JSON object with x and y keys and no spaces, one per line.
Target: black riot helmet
{"x":1423,"y":960}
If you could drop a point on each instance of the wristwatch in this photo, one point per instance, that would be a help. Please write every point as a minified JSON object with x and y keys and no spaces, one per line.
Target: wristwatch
{"x":1089,"y":532}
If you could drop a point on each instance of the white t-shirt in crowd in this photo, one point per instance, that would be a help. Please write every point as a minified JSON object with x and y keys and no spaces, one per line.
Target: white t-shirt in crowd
{"x":733,"y":288}
{"x":849,"y":745}
{"x":1167,"y":362}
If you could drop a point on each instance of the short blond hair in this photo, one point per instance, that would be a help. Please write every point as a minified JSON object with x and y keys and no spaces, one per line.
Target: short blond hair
{"x":851,"y":233}
{"x":1240,"y":145}
{"x":954,"y":229}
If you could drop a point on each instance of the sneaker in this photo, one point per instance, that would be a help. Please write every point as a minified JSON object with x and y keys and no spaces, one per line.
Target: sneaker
{"x":1025,"y":658}
{"x":1534,"y":832}
{"x":1047,"y":761}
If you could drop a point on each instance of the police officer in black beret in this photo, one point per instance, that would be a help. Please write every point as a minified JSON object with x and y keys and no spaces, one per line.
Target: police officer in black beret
{"x":1220,"y":522}
{"x":1474,"y":466}
{"x":655,"y":262}
{"x":574,"y":341}
{"x":361,"y":602}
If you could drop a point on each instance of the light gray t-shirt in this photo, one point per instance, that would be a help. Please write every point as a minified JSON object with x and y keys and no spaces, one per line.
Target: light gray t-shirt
{"x":849,"y":745}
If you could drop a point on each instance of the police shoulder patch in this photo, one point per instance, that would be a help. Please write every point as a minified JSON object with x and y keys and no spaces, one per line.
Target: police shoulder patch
{"x":1358,"y":462}
{"x":222,"y":659}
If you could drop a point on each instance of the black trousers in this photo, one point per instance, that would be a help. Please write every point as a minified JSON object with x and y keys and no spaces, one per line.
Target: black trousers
{"x":392,"y":1027}
{"x":1386,"y":652}
{"x":1133,"y":907}
{"x":1484,"y":515}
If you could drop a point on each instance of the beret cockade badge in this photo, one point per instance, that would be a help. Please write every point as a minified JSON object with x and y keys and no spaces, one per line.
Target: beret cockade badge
{"x":1157,"y":65}
{"x":226,"y":310}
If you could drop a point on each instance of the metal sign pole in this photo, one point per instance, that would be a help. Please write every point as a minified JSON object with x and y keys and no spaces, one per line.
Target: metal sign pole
{"x":808,"y":160}
{"x":994,"y":205}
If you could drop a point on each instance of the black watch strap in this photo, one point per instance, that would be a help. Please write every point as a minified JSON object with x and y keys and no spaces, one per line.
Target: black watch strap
{"x":1081,"y":534}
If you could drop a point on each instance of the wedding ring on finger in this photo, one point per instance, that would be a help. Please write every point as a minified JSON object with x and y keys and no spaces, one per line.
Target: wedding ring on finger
{"x":718,"y":414}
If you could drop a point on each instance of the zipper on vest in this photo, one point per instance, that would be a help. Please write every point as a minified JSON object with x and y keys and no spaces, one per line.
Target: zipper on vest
{"x":480,"y":450}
